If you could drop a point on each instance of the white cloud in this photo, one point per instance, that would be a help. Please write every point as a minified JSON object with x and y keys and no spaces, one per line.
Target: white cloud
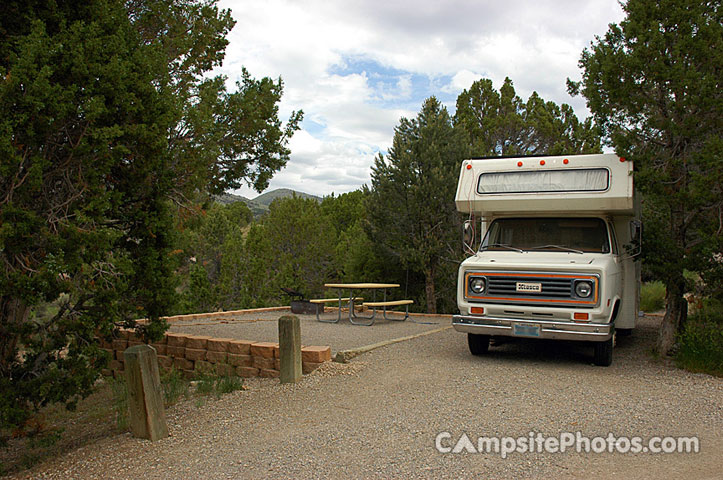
{"x":461,"y":80}
{"x":355,"y":67}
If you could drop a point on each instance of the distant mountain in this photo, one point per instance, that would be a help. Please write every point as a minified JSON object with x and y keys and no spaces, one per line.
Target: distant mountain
{"x":260,"y":204}
{"x":228,"y":198}
{"x":268,"y":197}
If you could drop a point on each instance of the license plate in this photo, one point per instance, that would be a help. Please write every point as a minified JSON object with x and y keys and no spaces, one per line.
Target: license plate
{"x":526,"y":330}
{"x":528,"y":287}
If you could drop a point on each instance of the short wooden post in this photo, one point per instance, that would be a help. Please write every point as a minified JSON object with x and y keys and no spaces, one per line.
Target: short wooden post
{"x":290,"y":348}
{"x":145,"y":402}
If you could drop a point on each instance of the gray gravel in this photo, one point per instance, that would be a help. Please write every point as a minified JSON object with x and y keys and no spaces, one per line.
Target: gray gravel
{"x":377,"y":417}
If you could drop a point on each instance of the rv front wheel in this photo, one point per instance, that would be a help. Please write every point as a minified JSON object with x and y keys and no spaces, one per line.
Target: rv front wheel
{"x":478,"y":344}
{"x":604,"y":352}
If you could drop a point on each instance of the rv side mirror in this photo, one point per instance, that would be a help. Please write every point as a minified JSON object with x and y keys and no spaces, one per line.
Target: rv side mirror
{"x":636,"y":235}
{"x":468,"y":235}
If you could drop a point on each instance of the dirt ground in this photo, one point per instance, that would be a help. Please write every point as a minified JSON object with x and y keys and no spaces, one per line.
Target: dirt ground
{"x":382,"y":414}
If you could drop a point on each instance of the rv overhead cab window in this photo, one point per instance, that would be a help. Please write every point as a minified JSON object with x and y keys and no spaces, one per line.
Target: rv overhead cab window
{"x":536,"y":181}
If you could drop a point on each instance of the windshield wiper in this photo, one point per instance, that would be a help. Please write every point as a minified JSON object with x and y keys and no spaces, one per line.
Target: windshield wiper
{"x":501,"y":245}
{"x":567,"y":249}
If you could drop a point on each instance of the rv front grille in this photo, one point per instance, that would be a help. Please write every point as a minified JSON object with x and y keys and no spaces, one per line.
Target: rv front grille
{"x":525,"y":288}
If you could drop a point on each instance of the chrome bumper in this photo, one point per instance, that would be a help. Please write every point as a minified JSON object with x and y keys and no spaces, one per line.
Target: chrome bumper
{"x":589,"y":332}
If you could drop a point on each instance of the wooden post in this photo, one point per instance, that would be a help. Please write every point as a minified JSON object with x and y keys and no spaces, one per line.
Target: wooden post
{"x":145,"y":402}
{"x":290,"y":348}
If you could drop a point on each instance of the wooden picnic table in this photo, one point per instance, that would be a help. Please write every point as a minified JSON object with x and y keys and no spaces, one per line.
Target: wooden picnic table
{"x":374,"y":304}
{"x":361,"y":286}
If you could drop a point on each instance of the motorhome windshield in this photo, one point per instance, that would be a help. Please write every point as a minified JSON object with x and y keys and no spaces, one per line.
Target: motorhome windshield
{"x":575,"y":235}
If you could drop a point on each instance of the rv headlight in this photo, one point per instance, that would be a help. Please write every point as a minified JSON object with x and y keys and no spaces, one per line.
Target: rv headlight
{"x":583,"y":289}
{"x":477,"y":284}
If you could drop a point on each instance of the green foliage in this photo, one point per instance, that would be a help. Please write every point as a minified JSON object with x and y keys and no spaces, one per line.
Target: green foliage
{"x":233,"y":272}
{"x":701,"y":341}
{"x":355,"y":256}
{"x":79,"y":192}
{"x":228,"y":384}
{"x":230,"y":265}
{"x":109,"y":118}
{"x":292,"y":247}
{"x":199,"y":297}
{"x":653,"y":86}
{"x":652,"y":296}
{"x":218,"y":385}
{"x":500,"y":123}
{"x":210,"y":248}
{"x":205,"y":384}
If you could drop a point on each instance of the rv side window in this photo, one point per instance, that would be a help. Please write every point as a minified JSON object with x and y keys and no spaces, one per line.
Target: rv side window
{"x":548,"y":234}
{"x":613,"y":238}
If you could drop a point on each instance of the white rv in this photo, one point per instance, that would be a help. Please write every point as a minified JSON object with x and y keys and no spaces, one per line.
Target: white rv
{"x":554,"y":258}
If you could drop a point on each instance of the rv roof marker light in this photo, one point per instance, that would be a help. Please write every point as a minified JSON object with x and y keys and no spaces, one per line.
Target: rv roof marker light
{"x":469,"y":166}
{"x":519,"y":164}
{"x":622,"y":159}
{"x":566,"y":161}
{"x":542,"y":162}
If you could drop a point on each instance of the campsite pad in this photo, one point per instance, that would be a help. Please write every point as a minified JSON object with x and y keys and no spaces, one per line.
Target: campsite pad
{"x":263,"y":327}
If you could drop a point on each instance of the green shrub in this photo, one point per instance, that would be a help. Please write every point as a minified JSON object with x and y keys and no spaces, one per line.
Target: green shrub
{"x":218,"y":385}
{"x":652,"y":296}
{"x":205,"y":384}
{"x":228,"y":384}
{"x":701,"y":342}
{"x":174,"y":386}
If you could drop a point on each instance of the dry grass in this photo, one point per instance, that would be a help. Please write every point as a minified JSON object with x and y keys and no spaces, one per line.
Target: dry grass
{"x":58,"y":430}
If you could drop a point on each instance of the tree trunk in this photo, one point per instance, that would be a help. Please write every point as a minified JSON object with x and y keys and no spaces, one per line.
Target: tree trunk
{"x":676,"y":313}
{"x":429,"y":290}
{"x":13,"y":314}
{"x":676,"y":308}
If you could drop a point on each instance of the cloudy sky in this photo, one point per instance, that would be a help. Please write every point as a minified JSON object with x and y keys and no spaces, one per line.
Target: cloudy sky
{"x":356,"y":66}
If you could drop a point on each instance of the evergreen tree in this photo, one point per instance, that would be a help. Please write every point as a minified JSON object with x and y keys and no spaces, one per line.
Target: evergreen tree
{"x":500,"y":123}
{"x":411,"y":204}
{"x":108,"y":118}
{"x":293,"y":247}
{"x":653,"y":84}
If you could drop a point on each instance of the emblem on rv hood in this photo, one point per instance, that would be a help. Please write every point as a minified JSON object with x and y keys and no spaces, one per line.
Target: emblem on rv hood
{"x":528,"y":287}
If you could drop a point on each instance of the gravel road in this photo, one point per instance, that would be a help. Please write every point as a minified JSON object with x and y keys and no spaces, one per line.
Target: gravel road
{"x":379,"y":415}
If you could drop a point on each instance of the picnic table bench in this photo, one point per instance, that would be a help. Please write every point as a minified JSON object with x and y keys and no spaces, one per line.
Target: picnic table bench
{"x":391,"y":303}
{"x":352,"y":299}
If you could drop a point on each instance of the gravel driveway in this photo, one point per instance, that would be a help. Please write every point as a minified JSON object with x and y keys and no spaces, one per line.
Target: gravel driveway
{"x":378,"y":417}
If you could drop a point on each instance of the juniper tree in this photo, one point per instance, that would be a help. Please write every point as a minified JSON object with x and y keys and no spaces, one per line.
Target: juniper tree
{"x":653,"y":84}
{"x":108,"y":119}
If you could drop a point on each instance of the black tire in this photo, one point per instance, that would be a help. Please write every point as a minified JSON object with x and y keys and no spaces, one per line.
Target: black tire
{"x":623,"y":332}
{"x":478,"y":344}
{"x":604,"y":352}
